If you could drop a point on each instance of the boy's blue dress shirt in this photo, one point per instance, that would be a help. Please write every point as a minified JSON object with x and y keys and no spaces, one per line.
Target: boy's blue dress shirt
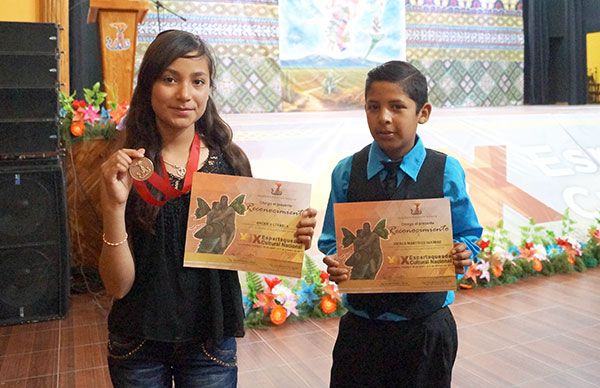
{"x":465,"y":226}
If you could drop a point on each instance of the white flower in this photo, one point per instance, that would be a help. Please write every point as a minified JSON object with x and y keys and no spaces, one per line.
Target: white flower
{"x":502,"y":255}
{"x":484,"y":267}
{"x":539,"y":252}
{"x":290,"y":307}
{"x":282,"y":293}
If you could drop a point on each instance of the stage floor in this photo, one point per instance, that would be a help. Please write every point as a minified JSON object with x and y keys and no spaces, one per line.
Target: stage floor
{"x":540,"y":332}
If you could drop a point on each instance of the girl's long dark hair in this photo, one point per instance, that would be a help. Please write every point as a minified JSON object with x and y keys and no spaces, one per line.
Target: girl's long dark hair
{"x":141,"y":130}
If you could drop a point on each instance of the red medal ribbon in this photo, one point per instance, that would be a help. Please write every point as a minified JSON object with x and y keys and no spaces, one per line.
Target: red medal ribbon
{"x":163,"y":184}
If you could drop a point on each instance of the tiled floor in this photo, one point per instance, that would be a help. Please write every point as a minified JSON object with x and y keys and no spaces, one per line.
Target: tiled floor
{"x":541,"y":332}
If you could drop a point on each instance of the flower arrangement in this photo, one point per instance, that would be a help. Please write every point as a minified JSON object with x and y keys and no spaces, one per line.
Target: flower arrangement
{"x":91,"y":118}
{"x":273,"y":301}
{"x":540,"y":251}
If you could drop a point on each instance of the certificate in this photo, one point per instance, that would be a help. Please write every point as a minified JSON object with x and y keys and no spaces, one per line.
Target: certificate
{"x":395,"y":246}
{"x":246,"y":224}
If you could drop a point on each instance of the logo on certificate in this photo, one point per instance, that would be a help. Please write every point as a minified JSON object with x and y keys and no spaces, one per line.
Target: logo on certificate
{"x":277,"y":189}
{"x":416,"y":209}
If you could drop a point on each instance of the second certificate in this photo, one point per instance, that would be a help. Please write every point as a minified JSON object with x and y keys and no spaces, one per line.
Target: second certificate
{"x":395,"y":246}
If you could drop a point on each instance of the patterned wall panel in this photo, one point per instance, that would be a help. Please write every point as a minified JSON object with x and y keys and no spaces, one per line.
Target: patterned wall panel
{"x":244,"y":36}
{"x":248,"y":84}
{"x":471,"y":51}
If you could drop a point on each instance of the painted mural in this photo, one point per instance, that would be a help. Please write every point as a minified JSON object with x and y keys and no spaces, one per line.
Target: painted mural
{"x":313,"y":55}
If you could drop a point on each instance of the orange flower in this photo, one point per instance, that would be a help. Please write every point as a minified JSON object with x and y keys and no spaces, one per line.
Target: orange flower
{"x":120,"y":110}
{"x":571,"y":258}
{"x":497,"y":269}
{"x":465,"y":286}
{"x":331,"y":290}
{"x":596,"y":235}
{"x":278,"y":315}
{"x":266,"y":300}
{"x":472,"y":273}
{"x":537,"y":265}
{"x":77,"y":128}
{"x":328,"y":305}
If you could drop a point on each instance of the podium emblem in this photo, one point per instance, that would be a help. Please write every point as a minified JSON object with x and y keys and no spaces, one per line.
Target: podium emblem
{"x":119,"y":43}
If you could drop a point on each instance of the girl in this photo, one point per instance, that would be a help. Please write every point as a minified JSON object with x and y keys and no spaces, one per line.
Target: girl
{"x":170,"y":324}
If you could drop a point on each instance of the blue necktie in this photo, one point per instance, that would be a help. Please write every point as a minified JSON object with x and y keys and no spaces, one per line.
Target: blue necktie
{"x":389,"y":182}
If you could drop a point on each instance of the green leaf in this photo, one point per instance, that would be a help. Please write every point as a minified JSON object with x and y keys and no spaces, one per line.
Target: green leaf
{"x":66,"y":101}
{"x":567,"y":223}
{"x":309,"y":265}
{"x":254,"y":284}
{"x":311,"y":272}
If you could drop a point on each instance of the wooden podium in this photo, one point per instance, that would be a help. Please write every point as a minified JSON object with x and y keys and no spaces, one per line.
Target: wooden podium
{"x":118,"y":20}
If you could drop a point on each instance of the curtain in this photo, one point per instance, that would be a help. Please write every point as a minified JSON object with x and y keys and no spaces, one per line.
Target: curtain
{"x":562,"y":20}
{"x":535,"y":25}
{"x":85,"y":62}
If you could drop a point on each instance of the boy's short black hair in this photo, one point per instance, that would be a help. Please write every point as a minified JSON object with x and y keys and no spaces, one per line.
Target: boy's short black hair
{"x":410,"y":79}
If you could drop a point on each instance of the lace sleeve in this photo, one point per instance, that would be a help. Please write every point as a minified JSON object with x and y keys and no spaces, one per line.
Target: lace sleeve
{"x":216,"y":164}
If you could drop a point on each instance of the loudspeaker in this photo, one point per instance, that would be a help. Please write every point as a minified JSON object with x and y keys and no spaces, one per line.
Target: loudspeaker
{"x":34,"y":254}
{"x":29,"y":85}
{"x":29,"y":70}
{"x":34,"y":139}
{"x":29,"y":37}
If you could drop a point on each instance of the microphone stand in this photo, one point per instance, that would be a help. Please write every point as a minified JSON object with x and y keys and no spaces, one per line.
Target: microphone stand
{"x":160,"y":5}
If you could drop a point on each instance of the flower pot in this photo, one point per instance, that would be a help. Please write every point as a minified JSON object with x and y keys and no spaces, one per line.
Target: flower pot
{"x":83,"y":175}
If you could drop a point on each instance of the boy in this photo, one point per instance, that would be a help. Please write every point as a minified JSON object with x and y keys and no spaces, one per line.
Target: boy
{"x":398,"y":339}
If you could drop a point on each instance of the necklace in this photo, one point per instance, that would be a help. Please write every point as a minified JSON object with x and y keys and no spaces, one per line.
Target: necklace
{"x":180,"y":170}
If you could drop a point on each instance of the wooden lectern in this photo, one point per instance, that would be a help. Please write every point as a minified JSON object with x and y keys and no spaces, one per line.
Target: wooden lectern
{"x":118,"y":20}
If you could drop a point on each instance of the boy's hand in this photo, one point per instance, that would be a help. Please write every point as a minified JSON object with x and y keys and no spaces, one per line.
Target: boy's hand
{"x":336,"y":272}
{"x":306,"y":227}
{"x":461,"y":257}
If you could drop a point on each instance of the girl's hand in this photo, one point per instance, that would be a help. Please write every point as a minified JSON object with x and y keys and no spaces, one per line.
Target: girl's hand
{"x":337,"y":273}
{"x":461,"y":257}
{"x":306,"y":227}
{"x":116,"y":181}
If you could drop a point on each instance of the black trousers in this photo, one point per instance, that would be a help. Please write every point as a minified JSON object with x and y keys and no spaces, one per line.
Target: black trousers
{"x":375,"y":353}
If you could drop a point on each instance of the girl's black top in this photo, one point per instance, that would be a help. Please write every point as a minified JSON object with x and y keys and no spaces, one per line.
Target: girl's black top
{"x":172,"y":303}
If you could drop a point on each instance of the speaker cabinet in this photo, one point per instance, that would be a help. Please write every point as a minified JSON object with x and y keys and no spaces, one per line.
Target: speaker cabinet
{"x":29,"y":85}
{"x":34,"y":254}
{"x":28,"y":138}
{"x":29,"y":70}
{"x":33,"y":103}
{"x":29,"y":37}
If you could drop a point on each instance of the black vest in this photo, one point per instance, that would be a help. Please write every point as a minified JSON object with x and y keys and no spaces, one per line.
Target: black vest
{"x":429,"y":184}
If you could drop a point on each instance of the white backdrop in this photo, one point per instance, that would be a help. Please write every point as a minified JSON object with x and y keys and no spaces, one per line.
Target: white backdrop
{"x":521,"y":162}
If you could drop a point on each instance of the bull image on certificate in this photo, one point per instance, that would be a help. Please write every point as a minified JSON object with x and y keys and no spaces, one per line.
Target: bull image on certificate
{"x":245,"y":224}
{"x":395,"y":246}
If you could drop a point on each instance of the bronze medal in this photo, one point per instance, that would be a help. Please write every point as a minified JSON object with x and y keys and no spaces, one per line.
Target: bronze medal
{"x":141,"y":169}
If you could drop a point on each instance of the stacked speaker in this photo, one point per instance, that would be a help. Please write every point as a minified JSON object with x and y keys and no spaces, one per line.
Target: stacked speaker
{"x":34,"y":254}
